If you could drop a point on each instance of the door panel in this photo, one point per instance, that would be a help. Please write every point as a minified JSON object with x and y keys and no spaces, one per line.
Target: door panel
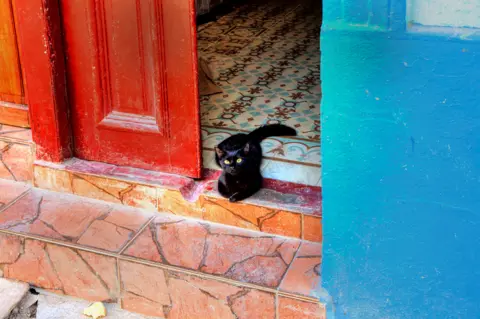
{"x":132,"y":82}
{"x":11,"y":79}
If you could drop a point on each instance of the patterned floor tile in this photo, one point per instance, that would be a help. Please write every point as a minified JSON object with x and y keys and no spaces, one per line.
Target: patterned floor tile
{"x":266,"y":59}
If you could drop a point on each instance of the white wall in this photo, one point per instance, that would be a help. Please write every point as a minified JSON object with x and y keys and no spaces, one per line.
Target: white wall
{"x":455,"y":13}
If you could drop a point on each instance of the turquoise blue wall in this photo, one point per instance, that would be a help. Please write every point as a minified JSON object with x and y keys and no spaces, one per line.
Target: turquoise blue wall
{"x":401,"y":165}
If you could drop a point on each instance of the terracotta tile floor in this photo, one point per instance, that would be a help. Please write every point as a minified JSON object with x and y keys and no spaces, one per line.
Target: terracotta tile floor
{"x":266,"y":59}
{"x":287,"y":210}
{"x":159,"y":265}
{"x":280,"y":208}
{"x":16,"y":153}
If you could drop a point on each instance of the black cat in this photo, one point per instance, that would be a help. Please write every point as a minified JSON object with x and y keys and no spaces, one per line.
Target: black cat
{"x":240,"y":157}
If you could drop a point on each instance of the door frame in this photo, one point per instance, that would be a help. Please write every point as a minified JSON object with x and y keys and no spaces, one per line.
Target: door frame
{"x":43,"y":61}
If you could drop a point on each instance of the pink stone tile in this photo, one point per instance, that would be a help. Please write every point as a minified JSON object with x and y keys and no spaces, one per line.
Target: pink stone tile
{"x":303,"y":276}
{"x":74,"y":219}
{"x":234,"y":253}
{"x":312,"y":228}
{"x":231,"y":254}
{"x":144,"y":289}
{"x":11,"y":248}
{"x":190,"y":302}
{"x":169,"y":181}
{"x":77,"y":276}
{"x":96,"y":168}
{"x":16,"y":162}
{"x":11,"y":190}
{"x":115,"y":191}
{"x":182,"y":243}
{"x":254,"y":304}
{"x":105,"y":268}
{"x":69,"y":215}
{"x":261,"y":270}
{"x":144,"y":247}
{"x":294,"y":309}
{"x":139,"y":304}
{"x":283,"y":223}
{"x":129,"y":218}
{"x":48,"y":178}
{"x":15,"y":133}
{"x":106,"y":236}
{"x":35,"y":267}
{"x":65,"y":270}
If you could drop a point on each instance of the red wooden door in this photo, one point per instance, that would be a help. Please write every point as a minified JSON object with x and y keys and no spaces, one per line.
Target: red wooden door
{"x":131,"y":73}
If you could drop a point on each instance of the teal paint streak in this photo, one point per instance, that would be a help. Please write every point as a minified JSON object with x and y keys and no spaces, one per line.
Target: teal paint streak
{"x":364,"y":14}
{"x":401,"y":175}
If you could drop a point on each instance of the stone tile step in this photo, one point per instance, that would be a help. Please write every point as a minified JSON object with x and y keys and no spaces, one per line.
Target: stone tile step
{"x":280,"y":208}
{"x":16,"y":153}
{"x":158,"y":265}
{"x":51,"y":306}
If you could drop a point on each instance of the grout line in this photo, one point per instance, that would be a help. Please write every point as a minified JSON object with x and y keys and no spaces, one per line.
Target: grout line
{"x":140,"y":231}
{"x":157,"y":265}
{"x":16,"y":199}
{"x":290,"y":265}
{"x":302,"y":222}
{"x":119,"y":283}
{"x":298,"y":297}
{"x":277,"y":315}
{"x":14,"y":140}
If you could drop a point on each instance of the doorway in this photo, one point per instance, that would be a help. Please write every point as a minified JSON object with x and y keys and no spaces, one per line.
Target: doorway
{"x":264,"y":62}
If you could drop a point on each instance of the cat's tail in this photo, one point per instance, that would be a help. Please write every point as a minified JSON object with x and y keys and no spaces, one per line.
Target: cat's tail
{"x":266,"y":131}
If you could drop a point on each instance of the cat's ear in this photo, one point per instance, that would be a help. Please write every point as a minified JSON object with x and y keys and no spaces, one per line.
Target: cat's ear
{"x":246,"y":148}
{"x":219,"y":152}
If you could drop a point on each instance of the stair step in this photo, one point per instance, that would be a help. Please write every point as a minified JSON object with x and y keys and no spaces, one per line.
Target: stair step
{"x":280,"y":208}
{"x":155,"y":264}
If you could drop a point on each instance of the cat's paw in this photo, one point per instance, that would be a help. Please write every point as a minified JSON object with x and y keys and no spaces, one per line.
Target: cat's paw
{"x":233,"y":198}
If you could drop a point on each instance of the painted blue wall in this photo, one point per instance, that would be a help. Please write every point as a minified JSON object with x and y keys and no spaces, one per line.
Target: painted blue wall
{"x":401,"y":167}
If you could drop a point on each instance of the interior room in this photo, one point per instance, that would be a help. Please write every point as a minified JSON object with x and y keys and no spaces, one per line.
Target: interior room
{"x":259,"y":63}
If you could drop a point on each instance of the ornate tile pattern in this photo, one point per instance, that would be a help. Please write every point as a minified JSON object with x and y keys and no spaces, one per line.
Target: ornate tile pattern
{"x":266,"y":58}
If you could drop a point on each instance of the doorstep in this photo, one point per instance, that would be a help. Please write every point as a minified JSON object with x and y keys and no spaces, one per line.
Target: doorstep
{"x":280,"y":208}
{"x":155,"y":264}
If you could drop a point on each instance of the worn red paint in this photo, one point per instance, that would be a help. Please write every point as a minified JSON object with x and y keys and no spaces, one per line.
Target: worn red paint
{"x":41,"y":51}
{"x":132,"y":83}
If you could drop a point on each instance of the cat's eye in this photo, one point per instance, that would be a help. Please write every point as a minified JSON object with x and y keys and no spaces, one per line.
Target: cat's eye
{"x":227,"y":162}
{"x":239,"y":160}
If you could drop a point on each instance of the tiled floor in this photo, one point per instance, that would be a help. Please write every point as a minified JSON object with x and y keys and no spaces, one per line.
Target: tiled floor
{"x":159,"y":265}
{"x":266,"y":59}
{"x":16,"y":153}
{"x":279,"y":209}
